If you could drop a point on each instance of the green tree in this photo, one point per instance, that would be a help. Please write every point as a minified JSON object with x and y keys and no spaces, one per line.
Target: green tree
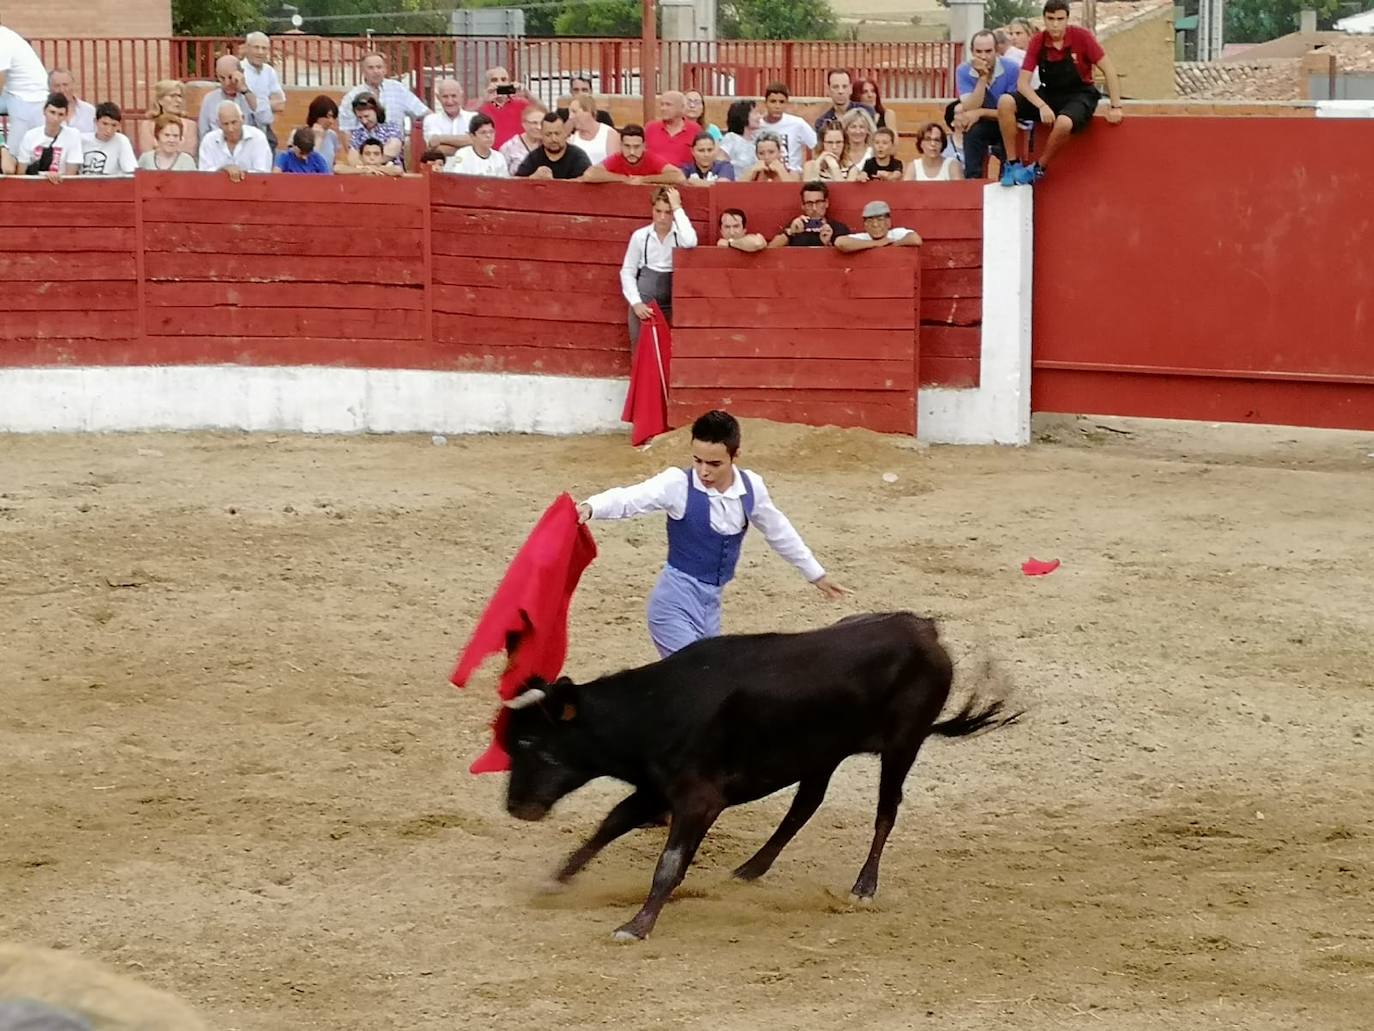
{"x":777,"y":19}
{"x":599,"y":18}
{"x":216,"y":17}
{"x":1001,"y":12}
{"x":1256,"y":21}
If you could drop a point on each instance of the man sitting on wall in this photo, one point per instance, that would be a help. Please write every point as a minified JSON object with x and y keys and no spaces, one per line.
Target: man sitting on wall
{"x":554,"y":159}
{"x":811,"y":228}
{"x":634,"y":164}
{"x":878,"y":231}
{"x":1065,"y":56}
{"x":982,"y":81}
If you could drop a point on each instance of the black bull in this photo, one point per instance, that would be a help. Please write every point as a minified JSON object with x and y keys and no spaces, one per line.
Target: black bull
{"x":731,"y":719}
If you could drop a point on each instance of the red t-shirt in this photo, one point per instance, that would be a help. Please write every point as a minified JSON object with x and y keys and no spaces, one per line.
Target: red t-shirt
{"x":506,"y":118}
{"x":675,"y":150}
{"x":649,"y":164}
{"x":1087,"y":51}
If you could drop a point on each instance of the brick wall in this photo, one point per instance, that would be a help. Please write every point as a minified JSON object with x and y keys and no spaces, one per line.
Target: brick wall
{"x":52,"y":19}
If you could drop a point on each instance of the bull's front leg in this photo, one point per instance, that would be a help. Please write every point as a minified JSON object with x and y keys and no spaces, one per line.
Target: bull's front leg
{"x":628,"y":814}
{"x":686,"y":831}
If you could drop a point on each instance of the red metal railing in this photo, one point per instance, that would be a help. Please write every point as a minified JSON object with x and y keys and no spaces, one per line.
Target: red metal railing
{"x":125,"y":70}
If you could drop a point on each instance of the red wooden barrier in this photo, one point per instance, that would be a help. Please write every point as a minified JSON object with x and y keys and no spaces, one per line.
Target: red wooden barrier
{"x":1186,"y":269}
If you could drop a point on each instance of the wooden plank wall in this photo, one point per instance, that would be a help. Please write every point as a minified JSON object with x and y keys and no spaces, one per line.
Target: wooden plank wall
{"x":797,"y":335}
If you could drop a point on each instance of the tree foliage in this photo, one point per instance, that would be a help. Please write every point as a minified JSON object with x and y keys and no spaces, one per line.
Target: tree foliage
{"x":216,"y":17}
{"x":598,"y":18}
{"x":777,"y":19}
{"x":997,"y":13}
{"x":1256,"y":21}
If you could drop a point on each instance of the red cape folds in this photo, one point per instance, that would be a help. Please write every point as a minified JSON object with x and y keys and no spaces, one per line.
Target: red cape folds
{"x":646,"y":405}
{"x":528,"y":614}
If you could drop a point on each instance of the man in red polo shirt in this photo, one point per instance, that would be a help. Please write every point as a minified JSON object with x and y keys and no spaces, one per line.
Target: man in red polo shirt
{"x":1064,"y":55}
{"x":504,"y":104}
{"x":670,"y":138}
{"x":634,"y":163}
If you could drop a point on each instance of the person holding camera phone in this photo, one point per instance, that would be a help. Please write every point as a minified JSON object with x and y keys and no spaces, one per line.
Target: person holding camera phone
{"x":505,"y":103}
{"x":812,"y":228}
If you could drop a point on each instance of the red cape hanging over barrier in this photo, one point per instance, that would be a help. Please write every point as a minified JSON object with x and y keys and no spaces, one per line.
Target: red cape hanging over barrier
{"x":528,"y":614}
{"x":646,"y":404}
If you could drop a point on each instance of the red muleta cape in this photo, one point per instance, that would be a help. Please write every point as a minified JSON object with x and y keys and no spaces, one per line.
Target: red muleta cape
{"x":528,"y":615}
{"x":646,"y":405}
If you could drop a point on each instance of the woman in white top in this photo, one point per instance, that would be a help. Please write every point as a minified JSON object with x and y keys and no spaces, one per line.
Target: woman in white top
{"x":646,"y":274}
{"x":741,"y":123}
{"x":858,"y":129}
{"x":825,"y":166}
{"x":932,"y":165}
{"x":596,"y":139}
{"x":479,"y":157}
{"x":167,"y":155}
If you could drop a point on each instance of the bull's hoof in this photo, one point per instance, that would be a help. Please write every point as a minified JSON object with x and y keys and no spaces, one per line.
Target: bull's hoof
{"x":626,"y":934}
{"x":748,"y":872}
{"x":553,"y":886}
{"x":860,"y":900}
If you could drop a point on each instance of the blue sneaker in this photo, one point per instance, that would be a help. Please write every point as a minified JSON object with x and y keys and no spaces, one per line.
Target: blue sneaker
{"x":1028,"y":175}
{"x":1009,"y":172}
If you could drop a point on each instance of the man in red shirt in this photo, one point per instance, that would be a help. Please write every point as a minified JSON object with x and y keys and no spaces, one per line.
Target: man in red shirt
{"x":1064,"y":55}
{"x":504,"y":104}
{"x":634,"y":163}
{"x":670,"y":138}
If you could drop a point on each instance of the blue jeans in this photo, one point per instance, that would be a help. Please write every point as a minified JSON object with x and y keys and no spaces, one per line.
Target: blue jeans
{"x":981,"y":138}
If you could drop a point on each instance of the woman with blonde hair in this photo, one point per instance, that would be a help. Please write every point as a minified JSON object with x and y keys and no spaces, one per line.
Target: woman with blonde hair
{"x":858,"y":141}
{"x":825,"y":166}
{"x":596,"y":138}
{"x":169,"y":98}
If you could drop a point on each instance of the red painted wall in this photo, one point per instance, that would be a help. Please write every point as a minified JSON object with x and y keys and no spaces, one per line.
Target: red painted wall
{"x":1209,"y":268}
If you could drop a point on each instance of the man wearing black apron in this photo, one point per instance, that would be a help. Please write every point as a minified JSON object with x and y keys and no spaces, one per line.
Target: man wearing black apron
{"x":646,"y":274}
{"x":1064,"y":55}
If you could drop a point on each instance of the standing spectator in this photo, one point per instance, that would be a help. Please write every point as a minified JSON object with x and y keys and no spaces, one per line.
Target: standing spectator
{"x":858,"y":140}
{"x":670,"y":138}
{"x":797,"y":138}
{"x":706,"y":166}
{"x":841,"y":88}
{"x":813,"y":227}
{"x":479,"y":158}
{"x":107,"y":151}
{"x":53,"y":148}
{"x":742,"y":121}
{"x":233,"y":89}
{"x":301,"y":158}
{"x":981,"y":82}
{"x":372,"y":125}
{"x":504,"y":105}
{"x":234,"y":147}
{"x":390,"y":95}
{"x":553,"y":158}
{"x":825,"y":166}
{"x":734,"y":232}
{"x":931,"y":165}
{"x":598,"y":139}
{"x":169,"y":98}
{"x":769,"y":166}
{"x":23,"y":86}
{"x":582,"y":87}
{"x":646,"y":274}
{"x":695,"y":111}
{"x":261,"y":80}
{"x":529,"y":139}
{"x":1067,"y":99}
{"x":878,"y":231}
{"x":449,"y":128}
{"x":1019,"y":33}
{"x":80,"y":114}
{"x":634,"y":164}
{"x":866,"y":95}
{"x":322,"y":119}
{"x":884,"y":164}
{"x":167,"y":154}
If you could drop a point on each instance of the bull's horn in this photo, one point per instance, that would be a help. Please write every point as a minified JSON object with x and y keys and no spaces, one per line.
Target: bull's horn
{"x":523,"y":701}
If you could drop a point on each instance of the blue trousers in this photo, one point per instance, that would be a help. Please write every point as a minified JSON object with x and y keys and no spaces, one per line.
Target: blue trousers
{"x":681,"y":610}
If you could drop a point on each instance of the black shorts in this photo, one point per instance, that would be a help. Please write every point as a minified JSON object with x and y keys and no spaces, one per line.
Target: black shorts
{"x":1079,"y":106}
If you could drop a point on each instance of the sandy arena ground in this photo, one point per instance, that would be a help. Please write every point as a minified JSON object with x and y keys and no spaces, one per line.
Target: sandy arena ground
{"x":230,"y":763}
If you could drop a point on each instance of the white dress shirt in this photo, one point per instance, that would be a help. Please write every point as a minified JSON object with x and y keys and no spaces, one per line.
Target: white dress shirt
{"x":262,"y":83}
{"x":440,"y":124}
{"x":667,"y":492}
{"x":646,"y":250}
{"x":252,"y":153}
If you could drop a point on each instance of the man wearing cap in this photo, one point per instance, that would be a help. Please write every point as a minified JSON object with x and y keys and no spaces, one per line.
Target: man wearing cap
{"x":878,"y":231}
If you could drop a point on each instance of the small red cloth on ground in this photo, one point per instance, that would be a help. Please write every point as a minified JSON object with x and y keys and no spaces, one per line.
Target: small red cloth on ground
{"x":528,"y":614}
{"x":1034,"y":567}
{"x":646,"y":405}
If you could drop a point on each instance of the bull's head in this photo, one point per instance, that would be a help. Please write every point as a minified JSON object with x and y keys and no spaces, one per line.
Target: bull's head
{"x":542,"y":737}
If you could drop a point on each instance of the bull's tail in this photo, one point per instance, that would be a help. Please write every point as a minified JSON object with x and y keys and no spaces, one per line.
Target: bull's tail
{"x":976,"y":716}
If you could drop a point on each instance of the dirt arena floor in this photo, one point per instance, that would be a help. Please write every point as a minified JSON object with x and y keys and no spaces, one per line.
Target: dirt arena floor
{"x":231,"y":765}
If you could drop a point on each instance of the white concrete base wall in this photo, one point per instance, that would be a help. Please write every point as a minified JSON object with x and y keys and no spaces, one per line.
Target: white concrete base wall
{"x":998,"y":410}
{"x":1345,"y":109}
{"x":305,"y":399}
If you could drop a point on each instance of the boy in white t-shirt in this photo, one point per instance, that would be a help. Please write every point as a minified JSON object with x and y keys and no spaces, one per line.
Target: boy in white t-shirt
{"x":107,"y":151}
{"x":55,"y":135}
{"x":479,"y":158}
{"x":798,"y":138}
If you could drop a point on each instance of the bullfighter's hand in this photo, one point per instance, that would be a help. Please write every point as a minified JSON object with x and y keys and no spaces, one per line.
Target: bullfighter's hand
{"x":830,"y":589}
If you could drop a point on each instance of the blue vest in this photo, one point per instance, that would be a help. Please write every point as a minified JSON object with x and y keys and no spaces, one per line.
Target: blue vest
{"x":696,"y":549}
